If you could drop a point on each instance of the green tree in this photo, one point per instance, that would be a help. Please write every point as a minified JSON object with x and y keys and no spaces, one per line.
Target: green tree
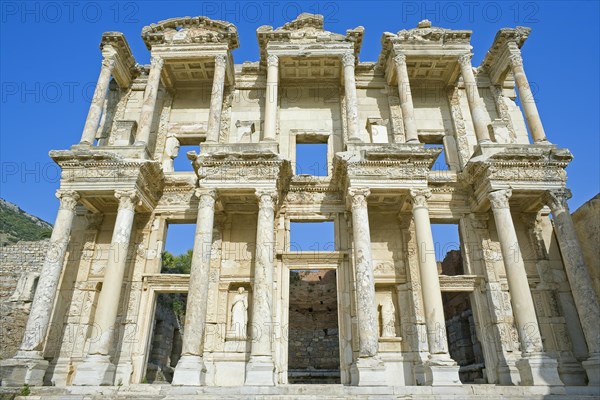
{"x":181,"y":264}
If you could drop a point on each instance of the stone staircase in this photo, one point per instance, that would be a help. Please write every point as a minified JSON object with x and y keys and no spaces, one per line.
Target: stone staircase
{"x":306,"y":392}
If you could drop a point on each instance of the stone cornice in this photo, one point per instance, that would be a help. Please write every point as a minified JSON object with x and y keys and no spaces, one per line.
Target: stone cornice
{"x":507,"y":42}
{"x":90,"y":172}
{"x":125,"y":70}
{"x":532,"y":168}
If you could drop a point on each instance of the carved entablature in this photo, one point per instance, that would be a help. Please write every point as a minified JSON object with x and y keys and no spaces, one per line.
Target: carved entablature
{"x":400,"y":166}
{"x":524,"y":169}
{"x":95,"y":175}
{"x":178,"y":194}
{"x":307,"y":32}
{"x":507,"y":43}
{"x":114,"y":45}
{"x":423,"y":42}
{"x":191,"y":30}
{"x":242,"y":170}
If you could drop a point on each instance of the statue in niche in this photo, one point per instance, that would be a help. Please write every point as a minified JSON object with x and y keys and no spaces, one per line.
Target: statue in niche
{"x":239,"y":314}
{"x":171,"y":152}
{"x":388,"y":318}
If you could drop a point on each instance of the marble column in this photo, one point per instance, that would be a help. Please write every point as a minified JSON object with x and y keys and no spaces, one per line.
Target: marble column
{"x":526,"y":98}
{"x":271,"y":98}
{"x":580,"y":281}
{"x":478,"y":113}
{"x":368,"y":366}
{"x":149,"y":104}
{"x":535,"y":367}
{"x":213,"y":128}
{"x":440,"y":369}
{"x":95,"y":113}
{"x":406,"y":103}
{"x":96,"y":368}
{"x":348,"y":61}
{"x":29,"y":366}
{"x":190,"y":369}
{"x":260,"y":368}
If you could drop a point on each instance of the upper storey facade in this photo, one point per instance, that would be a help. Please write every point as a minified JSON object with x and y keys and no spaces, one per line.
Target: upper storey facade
{"x":308,"y":87}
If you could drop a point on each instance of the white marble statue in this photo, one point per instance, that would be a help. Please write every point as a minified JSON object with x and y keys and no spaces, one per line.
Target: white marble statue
{"x":239,"y":314}
{"x":388,"y":318}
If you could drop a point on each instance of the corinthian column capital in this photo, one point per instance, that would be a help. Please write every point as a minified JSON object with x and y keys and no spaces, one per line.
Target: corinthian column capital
{"x":557,"y":199}
{"x":419,"y":197}
{"x":348,"y":59}
{"x":515,"y":60}
{"x":499,"y":198}
{"x":358,"y":197}
{"x":272,"y":60}
{"x":68,"y":199}
{"x":109,"y":61}
{"x":157,"y":62}
{"x":400,"y":59}
{"x":128,"y":199}
{"x":207,"y":196}
{"x":266,"y":198}
{"x":220,"y":61}
{"x":465,"y":59}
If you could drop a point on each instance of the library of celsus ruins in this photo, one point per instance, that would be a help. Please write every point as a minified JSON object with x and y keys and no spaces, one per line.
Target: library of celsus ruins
{"x":418,"y":138}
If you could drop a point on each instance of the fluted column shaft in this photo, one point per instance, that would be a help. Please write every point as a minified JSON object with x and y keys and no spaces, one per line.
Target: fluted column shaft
{"x":108,"y":300}
{"x":526,"y":97}
{"x":38,"y":322}
{"x":149,"y":104}
{"x":348,"y":61}
{"x":518,"y":286}
{"x":584,"y":295}
{"x":430,"y":283}
{"x":478,"y":113}
{"x":271,"y":98}
{"x":368,"y":327}
{"x":406,"y":102}
{"x":95,"y":113}
{"x":216,"y":100}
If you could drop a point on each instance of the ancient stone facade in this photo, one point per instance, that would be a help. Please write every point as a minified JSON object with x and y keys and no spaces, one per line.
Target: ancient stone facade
{"x":534,"y":308}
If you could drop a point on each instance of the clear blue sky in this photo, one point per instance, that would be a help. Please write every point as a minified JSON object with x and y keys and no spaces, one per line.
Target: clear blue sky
{"x":50,"y":62}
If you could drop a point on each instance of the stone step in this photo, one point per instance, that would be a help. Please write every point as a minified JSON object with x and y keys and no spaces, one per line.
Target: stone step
{"x":306,"y":392}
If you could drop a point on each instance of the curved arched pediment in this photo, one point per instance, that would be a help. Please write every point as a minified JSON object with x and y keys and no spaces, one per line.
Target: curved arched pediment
{"x":186,"y":30}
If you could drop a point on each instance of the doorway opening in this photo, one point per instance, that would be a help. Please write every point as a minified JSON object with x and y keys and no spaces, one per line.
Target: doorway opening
{"x":167,"y":337}
{"x":313,"y":335}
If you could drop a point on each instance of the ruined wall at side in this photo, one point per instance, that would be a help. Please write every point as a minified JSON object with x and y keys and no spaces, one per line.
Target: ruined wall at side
{"x":587,"y":224}
{"x":20,"y":265}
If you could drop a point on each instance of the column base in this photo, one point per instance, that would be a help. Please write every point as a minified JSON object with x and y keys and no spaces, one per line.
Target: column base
{"x":25,"y":368}
{"x":95,"y":370}
{"x":537,"y":369}
{"x":508,"y":375}
{"x":592,"y":369}
{"x":368,"y":371}
{"x":260,"y":371}
{"x":190,"y":371}
{"x":441,"y":370}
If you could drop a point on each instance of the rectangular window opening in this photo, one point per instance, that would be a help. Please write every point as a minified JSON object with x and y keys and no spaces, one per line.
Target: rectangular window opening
{"x":311,"y":159}
{"x":181,"y":163}
{"x":440,"y":163}
{"x":312,"y":236}
{"x":179,"y":244}
{"x":448,"y":253}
